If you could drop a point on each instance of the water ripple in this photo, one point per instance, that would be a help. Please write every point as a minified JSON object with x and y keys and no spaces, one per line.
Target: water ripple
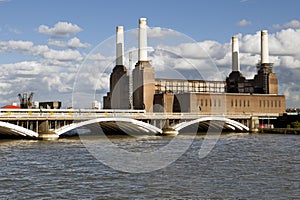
{"x":239,"y":167}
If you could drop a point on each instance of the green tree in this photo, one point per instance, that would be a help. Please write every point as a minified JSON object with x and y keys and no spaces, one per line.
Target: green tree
{"x":295,"y":124}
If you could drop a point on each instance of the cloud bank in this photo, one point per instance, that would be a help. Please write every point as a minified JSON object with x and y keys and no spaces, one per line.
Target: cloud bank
{"x":60,"y":29}
{"x":50,"y":70}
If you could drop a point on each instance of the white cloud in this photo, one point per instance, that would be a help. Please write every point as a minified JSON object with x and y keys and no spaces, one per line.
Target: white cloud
{"x":289,"y":61}
{"x":60,"y":29}
{"x":283,"y":45}
{"x":55,"y":70}
{"x":73,"y":43}
{"x":191,"y":50}
{"x":250,"y":43}
{"x":293,"y":24}
{"x":284,"y":53}
{"x":58,"y":83}
{"x":13,"y":45}
{"x":244,"y":22}
{"x":50,"y":74}
{"x":96,"y":56}
{"x":36,"y":76}
{"x":158,"y":32}
{"x":57,"y":43}
{"x":27,"y":47}
{"x":23,"y":68}
{"x":63,"y":55}
{"x":38,"y":50}
{"x":286,"y":42}
{"x":276,"y":26}
{"x":5,"y":88}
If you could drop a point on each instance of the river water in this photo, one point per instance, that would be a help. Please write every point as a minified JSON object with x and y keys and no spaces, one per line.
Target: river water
{"x":240,"y":166}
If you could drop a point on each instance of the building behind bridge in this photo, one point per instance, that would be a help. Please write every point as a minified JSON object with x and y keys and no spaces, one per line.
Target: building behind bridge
{"x":235,"y":95}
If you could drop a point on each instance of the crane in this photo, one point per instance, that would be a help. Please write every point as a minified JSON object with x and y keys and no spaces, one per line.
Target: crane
{"x":26,"y":100}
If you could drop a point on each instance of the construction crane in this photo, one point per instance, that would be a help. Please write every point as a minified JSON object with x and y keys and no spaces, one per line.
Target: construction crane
{"x":26,"y":100}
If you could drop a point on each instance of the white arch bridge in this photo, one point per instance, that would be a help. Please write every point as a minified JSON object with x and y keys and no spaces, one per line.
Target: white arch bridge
{"x":36,"y":123}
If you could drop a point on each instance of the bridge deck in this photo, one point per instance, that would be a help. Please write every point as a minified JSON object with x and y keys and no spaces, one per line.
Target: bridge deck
{"x":85,"y":114}
{"x":44,"y":121}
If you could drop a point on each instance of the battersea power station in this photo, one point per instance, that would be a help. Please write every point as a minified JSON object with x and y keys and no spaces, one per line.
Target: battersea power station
{"x":236,"y":94}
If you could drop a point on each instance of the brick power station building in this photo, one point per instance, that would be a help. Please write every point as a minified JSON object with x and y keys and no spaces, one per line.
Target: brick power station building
{"x":235,"y":95}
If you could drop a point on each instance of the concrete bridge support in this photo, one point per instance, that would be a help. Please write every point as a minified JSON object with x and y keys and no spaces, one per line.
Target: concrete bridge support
{"x":254,"y":124}
{"x":43,"y":127}
{"x":168,"y":130}
{"x":44,"y":131}
{"x":164,"y":124}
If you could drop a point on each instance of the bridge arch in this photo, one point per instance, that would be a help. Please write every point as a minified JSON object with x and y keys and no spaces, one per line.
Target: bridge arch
{"x":9,"y":129}
{"x":228,"y":123}
{"x":122,"y":124}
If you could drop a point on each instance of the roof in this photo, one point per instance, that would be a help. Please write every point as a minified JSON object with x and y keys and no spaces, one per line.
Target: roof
{"x":11,"y":107}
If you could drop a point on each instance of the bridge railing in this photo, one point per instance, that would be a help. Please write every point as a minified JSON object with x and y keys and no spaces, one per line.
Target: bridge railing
{"x":137,"y":114}
{"x":67,"y":113}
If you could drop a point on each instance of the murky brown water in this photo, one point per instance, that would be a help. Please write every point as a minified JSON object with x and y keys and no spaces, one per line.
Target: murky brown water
{"x":239,"y":167}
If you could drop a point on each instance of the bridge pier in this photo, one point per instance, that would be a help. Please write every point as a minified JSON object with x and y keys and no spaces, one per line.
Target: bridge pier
{"x":161,"y":124}
{"x":157,"y":122}
{"x":167,"y":130}
{"x":254,"y":124}
{"x":43,"y":127}
{"x":48,"y":136}
{"x":44,"y":131}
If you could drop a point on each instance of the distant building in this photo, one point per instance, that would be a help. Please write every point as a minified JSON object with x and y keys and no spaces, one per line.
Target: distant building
{"x":236,"y":94}
{"x":50,"y":105}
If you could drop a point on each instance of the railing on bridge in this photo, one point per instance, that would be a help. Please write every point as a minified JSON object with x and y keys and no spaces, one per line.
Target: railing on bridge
{"x":11,"y":114}
{"x":66,"y":113}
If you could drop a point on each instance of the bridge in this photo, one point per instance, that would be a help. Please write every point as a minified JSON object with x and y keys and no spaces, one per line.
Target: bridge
{"x":54,"y":123}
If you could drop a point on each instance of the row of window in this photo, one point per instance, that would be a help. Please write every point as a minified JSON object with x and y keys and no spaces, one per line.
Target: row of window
{"x":184,"y":88}
{"x":270,"y":103}
{"x":195,"y":84}
{"x":189,"y":86}
{"x":218,"y":102}
{"x":210,"y":102}
{"x":188,"y":89}
{"x":239,"y":103}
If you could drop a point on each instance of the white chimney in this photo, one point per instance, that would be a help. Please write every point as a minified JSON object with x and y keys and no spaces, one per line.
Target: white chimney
{"x":120,"y":45}
{"x":235,"y":54}
{"x":264,"y":47}
{"x":143,"y":39}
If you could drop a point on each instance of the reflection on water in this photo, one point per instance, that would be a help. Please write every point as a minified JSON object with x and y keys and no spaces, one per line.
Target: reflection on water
{"x":240,"y":166}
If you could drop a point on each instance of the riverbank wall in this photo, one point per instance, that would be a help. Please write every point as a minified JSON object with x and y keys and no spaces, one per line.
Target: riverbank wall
{"x":292,"y":131}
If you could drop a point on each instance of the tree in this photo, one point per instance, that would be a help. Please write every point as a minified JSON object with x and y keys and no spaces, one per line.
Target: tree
{"x":295,"y":124}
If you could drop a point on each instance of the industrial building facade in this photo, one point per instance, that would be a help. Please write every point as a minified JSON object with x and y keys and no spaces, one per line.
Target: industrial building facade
{"x":220,"y":103}
{"x":233,"y":96}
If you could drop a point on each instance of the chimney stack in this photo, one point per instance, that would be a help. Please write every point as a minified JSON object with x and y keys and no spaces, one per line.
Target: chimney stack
{"x":264,"y":47}
{"x":119,"y":45}
{"x":235,"y":54}
{"x":142,"y":39}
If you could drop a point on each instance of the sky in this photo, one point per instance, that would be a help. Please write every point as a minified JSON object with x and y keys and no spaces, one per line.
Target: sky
{"x":64,"y":50}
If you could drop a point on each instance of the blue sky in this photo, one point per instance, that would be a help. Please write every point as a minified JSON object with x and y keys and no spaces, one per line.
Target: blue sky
{"x":210,"y":19}
{"x":24,"y":46}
